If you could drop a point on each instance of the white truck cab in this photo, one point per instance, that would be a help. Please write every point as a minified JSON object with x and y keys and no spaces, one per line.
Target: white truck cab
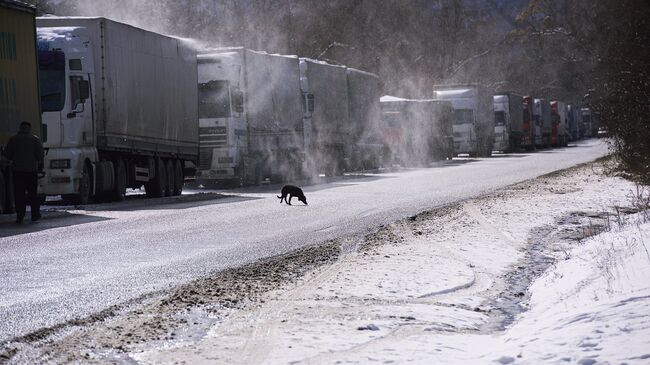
{"x":65,"y":70}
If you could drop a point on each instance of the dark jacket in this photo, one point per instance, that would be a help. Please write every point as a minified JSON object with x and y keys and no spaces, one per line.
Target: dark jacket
{"x":26,"y":152}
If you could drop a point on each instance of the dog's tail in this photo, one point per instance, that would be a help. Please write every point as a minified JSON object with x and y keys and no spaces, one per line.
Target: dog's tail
{"x":279,"y":197}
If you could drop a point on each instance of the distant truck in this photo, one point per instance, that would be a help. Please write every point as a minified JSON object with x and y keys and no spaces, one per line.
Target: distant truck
{"x":328,"y":138}
{"x":251,"y":117}
{"x":543,"y":124}
{"x":528,"y":124}
{"x":473,"y":117}
{"x":508,"y":122}
{"x":19,"y":97}
{"x":119,"y":106}
{"x":364,"y":91}
{"x":559,"y":135}
{"x":574,"y":117}
{"x":587,"y":123}
{"x":417,"y":132}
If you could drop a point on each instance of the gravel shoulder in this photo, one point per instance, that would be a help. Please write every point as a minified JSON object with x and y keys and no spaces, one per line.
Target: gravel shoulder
{"x":461,"y":270}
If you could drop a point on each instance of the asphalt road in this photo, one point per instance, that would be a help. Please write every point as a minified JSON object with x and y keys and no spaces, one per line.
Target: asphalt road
{"x":77,"y":262}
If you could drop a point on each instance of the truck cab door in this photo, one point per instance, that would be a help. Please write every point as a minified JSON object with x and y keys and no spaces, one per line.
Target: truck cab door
{"x":77,"y":123}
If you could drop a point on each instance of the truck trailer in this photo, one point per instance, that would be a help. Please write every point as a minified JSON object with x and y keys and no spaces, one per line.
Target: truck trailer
{"x":326,"y":119}
{"x":19,"y":96}
{"x":473,"y":119}
{"x":543,"y":124}
{"x":251,"y":117}
{"x":559,"y":136}
{"x":508,"y":122}
{"x":119,"y":106}
{"x":587,"y":123}
{"x":417,"y":132}
{"x":364,"y":91}
{"x":528,"y":124}
{"x":574,"y":118}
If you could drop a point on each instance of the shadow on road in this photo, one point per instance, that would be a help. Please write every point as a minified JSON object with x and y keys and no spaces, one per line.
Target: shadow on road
{"x":142,"y":202}
{"x":50,"y":220}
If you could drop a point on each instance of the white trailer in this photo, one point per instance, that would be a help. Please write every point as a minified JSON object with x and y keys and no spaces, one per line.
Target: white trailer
{"x":543,"y":124}
{"x":251,"y":116}
{"x":364,"y":91}
{"x":587,"y":123}
{"x":119,"y":109}
{"x":326,"y":119}
{"x":508,"y":122}
{"x":473,"y":120}
{"x":574,"y":117}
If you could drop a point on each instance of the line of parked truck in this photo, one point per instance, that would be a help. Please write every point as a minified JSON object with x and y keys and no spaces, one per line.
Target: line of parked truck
{"x":122,"y":107}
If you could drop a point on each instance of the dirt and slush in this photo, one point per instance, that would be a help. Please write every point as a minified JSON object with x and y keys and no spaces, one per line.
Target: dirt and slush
{"x":458,"y":269}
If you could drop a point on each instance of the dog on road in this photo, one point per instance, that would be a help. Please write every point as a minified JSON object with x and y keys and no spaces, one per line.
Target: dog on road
{"x":289,"y":191}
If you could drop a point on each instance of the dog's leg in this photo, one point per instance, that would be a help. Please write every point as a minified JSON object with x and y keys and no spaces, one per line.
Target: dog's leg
{"x":289,"y":201}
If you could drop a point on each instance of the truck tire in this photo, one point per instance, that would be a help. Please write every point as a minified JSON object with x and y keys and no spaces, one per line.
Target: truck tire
{"x":156,"y":188}
{"x":119,"y":190}
{"x":171,"y":178}
{"x":179,"y":179}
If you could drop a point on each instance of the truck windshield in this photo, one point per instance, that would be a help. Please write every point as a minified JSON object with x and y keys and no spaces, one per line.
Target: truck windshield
{"x":500,"y":117}
{"x":463,"y":116}
{"x":51,"y":79}
{"x":214,"y":99}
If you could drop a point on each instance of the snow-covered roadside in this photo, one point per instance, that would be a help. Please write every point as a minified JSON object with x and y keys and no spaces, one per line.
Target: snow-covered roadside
{"x":421,"y":290}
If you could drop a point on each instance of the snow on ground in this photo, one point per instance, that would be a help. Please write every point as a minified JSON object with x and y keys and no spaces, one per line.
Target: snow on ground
{"x":428,"y":290}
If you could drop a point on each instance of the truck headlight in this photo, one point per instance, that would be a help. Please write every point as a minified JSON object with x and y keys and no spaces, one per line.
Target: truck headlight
{"x":60,"y":164}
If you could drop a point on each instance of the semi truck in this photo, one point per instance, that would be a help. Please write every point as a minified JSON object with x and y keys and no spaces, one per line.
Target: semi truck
{"x":364,"y":91}
{"x":528,"y":124}
{"x":587,"y":123}
{"x":327,"y":135}
{"x":119,"y":105}
{"x":251,"y":117}
{"x":508,"y":122}
{"x":542,"y":116}
{"x":19,"y":96}
{"x":559,"y":136}
{"x":473,"y":117}
{"x":417,"y":132}
{"x":574,"y":118}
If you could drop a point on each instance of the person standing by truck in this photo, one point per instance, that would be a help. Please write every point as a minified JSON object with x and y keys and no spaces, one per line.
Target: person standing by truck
{"x":25,"y":151}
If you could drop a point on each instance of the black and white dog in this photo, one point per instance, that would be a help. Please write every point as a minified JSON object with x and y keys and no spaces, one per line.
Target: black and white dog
{"x":289,"y":191}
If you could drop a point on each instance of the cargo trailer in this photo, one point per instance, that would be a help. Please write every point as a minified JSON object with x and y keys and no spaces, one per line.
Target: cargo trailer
{"x":251,"y":117}
{"x":473,"y":119}
{"x":19,"y":96}
{"x":119,"y":106}
{"x":364,"y":91}
{"x":508,"y":122}
{"x":325,"y":96}
{"x":543,"y":124}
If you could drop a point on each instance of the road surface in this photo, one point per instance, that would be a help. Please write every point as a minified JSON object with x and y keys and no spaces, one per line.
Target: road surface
{"x":78,"y":262}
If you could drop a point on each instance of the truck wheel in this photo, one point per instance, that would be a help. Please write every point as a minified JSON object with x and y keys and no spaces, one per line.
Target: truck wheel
{"x":156,"y":187}
{"x":119,"y":191}
{"x":171,"y":180}
{"x":178,"y":178}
